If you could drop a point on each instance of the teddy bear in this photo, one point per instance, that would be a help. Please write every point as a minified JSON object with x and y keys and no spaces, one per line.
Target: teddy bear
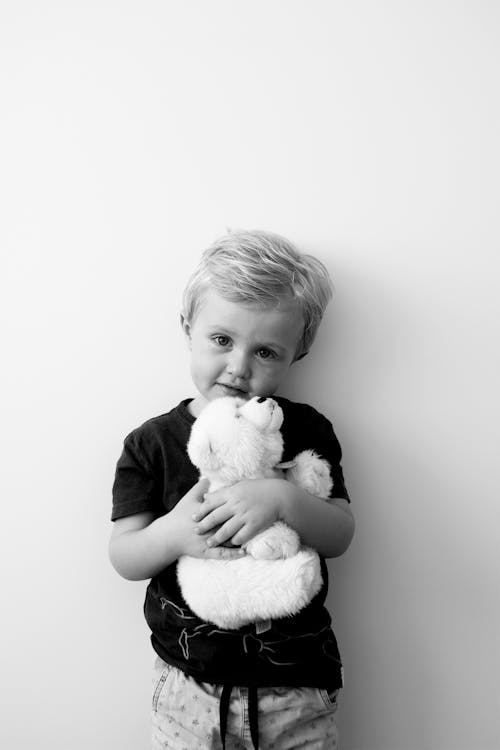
{"x":234,"y":439}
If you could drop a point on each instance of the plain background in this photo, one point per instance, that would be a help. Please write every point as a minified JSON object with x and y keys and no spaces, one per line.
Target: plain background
{"x":134,"y":133}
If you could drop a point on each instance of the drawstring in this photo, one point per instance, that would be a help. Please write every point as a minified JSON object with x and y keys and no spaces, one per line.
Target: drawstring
{"x":253,"y":714}
{"x":223,"y":710}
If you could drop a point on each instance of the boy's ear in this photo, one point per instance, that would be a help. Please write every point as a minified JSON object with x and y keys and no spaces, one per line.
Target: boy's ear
{"x":186,"y":328}
{"x":301,"y":357}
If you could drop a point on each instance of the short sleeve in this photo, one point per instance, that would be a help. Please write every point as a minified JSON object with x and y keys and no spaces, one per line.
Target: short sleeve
{"x":328,"y":447}
{"x":133,"y":486}
{"x":305,"y":428}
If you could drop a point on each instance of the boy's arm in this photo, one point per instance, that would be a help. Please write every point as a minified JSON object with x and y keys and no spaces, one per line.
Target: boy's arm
{"x":251,"y":506}
{"x":135,"y":549}
{"x":141,"y":547}
{"x":326,"y":525}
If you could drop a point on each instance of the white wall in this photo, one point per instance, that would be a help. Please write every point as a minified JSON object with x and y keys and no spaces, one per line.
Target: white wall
{"x":132,"y":134}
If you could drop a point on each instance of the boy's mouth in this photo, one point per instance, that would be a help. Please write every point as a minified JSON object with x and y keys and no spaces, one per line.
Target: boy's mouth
{"x":232,"y":390}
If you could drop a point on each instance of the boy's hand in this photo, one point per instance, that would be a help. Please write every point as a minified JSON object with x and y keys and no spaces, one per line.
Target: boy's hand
{"x":242,"y":510}
{"x":191,"y":542}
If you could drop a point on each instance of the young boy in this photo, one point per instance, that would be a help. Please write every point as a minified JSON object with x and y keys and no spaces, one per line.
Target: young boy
{"x":250,"y":310}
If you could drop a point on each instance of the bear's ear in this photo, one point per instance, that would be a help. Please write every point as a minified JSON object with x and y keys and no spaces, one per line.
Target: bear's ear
{"x":201,"y":452}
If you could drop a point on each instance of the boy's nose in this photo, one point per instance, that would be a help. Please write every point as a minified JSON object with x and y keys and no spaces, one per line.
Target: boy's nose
{"x":238,"y":365}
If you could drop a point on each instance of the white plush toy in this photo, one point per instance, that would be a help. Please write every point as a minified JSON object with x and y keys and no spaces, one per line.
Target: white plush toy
{"x":231,"y":440}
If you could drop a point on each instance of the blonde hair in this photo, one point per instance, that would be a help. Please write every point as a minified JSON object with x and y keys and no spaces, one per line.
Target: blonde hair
{"x":263,"y":268}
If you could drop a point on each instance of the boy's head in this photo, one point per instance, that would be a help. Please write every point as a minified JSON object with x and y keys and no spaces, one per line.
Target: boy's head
{"x":250,"y":309}
{"x":265,"y":269}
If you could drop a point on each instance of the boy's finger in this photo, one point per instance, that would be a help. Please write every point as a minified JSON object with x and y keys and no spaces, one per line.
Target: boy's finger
{"x":209,"y":504}
{"x":241,"y":537}
{"x":225,"y":533}
{"x":224,"y":553}
{"x":216,"y":518}
{"x":200,"y":488}
{"x":217,"y":497}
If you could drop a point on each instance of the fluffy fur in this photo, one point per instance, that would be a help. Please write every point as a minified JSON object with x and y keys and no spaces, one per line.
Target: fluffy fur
{"x":231,"y":440}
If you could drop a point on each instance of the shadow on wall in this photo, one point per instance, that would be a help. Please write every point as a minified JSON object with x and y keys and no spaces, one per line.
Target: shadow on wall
{"x":404,"y":596}
{"x":408,"y":609}
{"x":379,"y":613}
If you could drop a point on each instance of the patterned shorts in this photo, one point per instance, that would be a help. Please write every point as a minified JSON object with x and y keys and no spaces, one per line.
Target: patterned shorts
{"x":185,"y":715}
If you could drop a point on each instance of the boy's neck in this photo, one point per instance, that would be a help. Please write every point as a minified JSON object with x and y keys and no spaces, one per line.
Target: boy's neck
{"x":196,"y":406}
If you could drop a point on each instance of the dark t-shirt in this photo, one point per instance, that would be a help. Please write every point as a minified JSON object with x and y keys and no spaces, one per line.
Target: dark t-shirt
{"x":153,"y":473}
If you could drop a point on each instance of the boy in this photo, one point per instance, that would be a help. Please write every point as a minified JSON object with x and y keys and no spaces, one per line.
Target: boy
{"x":250,"y":310}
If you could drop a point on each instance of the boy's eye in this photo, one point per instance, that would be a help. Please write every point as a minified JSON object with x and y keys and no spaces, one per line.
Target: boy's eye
{"x":266,"y":353}
{"x":221,"y":340}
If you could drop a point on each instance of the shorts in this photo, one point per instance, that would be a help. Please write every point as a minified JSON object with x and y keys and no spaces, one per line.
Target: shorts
{"x":185,"y":715}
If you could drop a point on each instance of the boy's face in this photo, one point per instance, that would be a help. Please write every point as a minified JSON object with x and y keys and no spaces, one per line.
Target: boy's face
{"x":238,"y":349}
